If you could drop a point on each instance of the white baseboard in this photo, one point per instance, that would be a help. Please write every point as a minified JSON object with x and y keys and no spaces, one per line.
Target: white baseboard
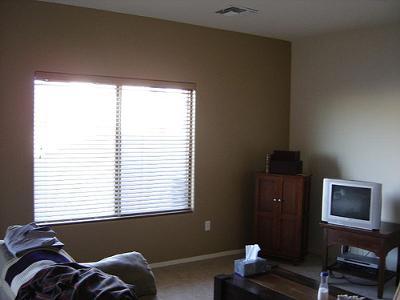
{"x":195,"y":258}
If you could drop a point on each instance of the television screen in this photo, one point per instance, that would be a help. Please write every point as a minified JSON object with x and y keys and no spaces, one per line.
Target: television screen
{"x":351,"y":202}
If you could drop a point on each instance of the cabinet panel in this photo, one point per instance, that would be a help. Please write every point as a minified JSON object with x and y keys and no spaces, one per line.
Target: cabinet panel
{"x":292,"y":193}
{"x":290,"y":237}
{"x":265,"y":234}
{"x":268,"y":190}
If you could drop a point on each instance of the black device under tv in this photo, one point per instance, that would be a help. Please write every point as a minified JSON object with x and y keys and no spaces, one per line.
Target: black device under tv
{"x":361,"y":266}
{"x":353,"y":259}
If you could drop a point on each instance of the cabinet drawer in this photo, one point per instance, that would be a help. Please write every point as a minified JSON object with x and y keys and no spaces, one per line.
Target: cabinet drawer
{"x":337,"y":237}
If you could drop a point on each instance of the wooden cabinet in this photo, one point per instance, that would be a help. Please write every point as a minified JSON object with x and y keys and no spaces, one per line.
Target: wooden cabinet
{"x":281,"y":214}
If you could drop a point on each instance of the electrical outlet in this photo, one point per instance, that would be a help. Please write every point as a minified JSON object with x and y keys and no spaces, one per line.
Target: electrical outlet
{"x":207,"y":225}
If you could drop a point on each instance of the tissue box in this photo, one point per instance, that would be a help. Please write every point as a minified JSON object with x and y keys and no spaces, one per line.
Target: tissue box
{"x":251,"y":267}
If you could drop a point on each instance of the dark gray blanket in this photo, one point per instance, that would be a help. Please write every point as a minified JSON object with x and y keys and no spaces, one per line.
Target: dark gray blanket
{"x":73,"y":281}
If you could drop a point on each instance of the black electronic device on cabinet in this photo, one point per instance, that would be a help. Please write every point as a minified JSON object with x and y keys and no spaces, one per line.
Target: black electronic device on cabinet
{"x":285,"y":162}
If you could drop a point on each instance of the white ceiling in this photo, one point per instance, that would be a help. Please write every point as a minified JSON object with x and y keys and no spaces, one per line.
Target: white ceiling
{"x":283,"y":19}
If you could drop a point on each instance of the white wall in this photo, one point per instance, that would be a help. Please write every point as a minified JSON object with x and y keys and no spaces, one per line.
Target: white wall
{"x":345,"y":113}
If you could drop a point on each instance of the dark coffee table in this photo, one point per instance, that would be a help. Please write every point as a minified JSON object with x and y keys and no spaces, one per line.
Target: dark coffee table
{"x":278,"y":284}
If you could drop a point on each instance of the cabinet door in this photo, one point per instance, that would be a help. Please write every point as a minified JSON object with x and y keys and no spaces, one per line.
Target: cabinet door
{"x":291,"y":206}
{"x":267,"y":210}
{"x":265,"y":235}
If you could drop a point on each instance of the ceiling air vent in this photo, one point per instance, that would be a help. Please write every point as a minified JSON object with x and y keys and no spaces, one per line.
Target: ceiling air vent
{"x":235,"y":10}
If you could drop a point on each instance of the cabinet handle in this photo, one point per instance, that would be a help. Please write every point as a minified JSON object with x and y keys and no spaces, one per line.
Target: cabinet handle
{"x":274,"y":199}
{"x":279,"y":200}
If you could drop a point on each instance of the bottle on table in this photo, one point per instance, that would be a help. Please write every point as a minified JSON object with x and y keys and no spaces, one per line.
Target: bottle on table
{"x":323,"y":291}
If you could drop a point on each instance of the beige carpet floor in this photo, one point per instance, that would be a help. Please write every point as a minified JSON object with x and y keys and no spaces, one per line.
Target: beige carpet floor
{"x":191,"y":281}
{"x":195,"y":281}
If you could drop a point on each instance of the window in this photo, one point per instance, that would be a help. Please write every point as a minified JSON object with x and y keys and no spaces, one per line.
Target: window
{"x":111,"y":147}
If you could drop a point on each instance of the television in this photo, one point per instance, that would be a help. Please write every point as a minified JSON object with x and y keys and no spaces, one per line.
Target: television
{"x":352,"y":203}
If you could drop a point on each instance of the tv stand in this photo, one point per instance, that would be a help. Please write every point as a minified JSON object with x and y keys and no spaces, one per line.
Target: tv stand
{"x":378,"y":241}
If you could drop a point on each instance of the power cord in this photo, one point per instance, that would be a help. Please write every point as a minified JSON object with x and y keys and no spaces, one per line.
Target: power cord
{"x":351,"y":280}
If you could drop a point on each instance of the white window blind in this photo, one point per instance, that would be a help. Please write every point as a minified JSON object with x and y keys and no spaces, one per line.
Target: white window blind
{"x":111,"y":150}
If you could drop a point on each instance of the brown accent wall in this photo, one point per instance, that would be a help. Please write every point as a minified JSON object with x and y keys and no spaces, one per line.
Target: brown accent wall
{"x":243,"y":91}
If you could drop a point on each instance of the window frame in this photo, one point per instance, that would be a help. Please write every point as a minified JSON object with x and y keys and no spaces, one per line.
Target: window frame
{"x":119,"y":82}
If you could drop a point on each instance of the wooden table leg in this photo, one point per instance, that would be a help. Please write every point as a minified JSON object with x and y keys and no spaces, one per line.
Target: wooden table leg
{"x":218,"y":286}
{"x":325,"y":251}
{"x":381,"y":274}
{"x":398,"y":266}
